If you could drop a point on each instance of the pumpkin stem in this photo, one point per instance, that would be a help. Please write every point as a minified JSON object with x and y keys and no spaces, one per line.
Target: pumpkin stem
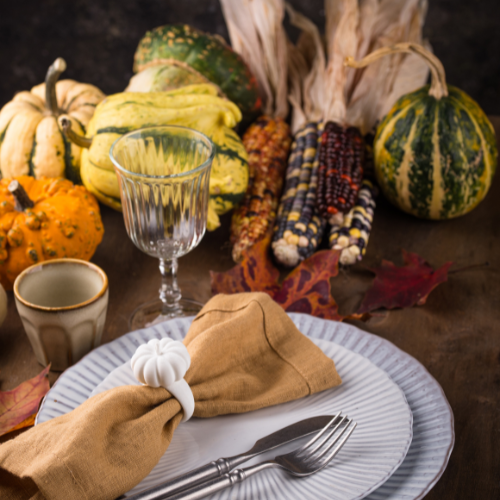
{"x":75,"y":138}
{"x":438,"y":81}
{"x":23,"y":201}
{"x":53,"y":74}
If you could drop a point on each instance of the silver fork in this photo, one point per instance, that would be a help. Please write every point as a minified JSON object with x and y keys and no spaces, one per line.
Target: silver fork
{"x":304,"y":461}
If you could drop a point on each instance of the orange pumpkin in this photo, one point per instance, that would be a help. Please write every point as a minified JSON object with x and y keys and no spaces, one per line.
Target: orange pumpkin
{"x":63,"y":221}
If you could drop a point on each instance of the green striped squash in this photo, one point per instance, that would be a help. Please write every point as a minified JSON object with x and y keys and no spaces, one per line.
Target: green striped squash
{"x":177,"y":54}
{"x":435,"y":152}
{"x":435,"y":158}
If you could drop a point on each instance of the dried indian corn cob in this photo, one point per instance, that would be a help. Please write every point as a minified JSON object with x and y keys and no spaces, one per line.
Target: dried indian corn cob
{"x":267,"y":142}
{"x":351,"y":234}
{"x":299,"y":228}
{"x":340,"y":169}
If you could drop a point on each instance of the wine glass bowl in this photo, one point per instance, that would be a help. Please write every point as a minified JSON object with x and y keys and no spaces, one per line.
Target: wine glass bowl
{"x":163,"y":174}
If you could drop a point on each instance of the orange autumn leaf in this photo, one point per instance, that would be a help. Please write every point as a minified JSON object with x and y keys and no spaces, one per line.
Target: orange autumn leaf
{"x":17,"y":405}
{"x":27,"y":422}
{"x":306,"y":289}
{"x":255,"y":273}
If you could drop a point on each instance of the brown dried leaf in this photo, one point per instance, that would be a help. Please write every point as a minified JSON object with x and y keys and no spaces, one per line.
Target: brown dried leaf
{"x":306,"y":289}
{"x":255,"y":273}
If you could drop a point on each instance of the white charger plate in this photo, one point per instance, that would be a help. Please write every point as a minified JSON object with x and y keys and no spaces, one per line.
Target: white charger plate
{"x":374,"y":451}
{"x":433,"y":434}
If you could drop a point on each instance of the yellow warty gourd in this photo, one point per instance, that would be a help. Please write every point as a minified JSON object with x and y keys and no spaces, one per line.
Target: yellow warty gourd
{"x":194,"y":106}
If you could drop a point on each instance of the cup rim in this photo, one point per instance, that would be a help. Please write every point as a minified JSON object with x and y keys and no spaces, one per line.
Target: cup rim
{"x":204,"y":165}
{"x":80,"y":305}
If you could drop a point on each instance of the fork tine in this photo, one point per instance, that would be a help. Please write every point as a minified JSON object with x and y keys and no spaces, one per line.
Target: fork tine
{"x":324,"y":460}
{"x":317,"y":436}
{"x":328,"y":436}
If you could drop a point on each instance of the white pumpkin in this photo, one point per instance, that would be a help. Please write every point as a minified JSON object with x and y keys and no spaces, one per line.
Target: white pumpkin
{"x":161,"y":363}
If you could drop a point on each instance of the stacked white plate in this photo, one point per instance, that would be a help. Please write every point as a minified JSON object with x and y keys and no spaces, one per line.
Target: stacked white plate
{"x":398,"y":451}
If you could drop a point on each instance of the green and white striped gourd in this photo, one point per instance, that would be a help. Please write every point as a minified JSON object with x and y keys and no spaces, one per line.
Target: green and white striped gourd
{"x":435,"y":152}
{"x":174,"y":55}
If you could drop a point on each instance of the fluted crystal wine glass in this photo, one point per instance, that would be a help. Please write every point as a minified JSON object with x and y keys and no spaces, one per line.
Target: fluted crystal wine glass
{"x":163,"y":173}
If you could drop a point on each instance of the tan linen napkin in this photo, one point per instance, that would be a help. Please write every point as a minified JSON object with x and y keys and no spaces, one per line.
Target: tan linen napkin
{"x":246,"y":354}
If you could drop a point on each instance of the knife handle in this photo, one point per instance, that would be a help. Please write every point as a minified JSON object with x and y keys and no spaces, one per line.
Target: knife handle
{"x":226,"y":480}
{"x":200,"y":475}
{"x":208,"y":488}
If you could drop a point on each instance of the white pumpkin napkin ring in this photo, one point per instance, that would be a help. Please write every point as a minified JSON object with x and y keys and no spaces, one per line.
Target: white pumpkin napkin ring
{"x":163,"y":363}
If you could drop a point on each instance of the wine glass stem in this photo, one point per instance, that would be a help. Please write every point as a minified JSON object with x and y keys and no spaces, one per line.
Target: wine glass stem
{"x":170,"y":293}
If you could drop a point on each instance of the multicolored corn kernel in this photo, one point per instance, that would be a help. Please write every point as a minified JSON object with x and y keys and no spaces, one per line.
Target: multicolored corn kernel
{"x":267,"y":142}
{"x":341,"y":157}
{"x":352,"y":234}
{"x":299,"y":228}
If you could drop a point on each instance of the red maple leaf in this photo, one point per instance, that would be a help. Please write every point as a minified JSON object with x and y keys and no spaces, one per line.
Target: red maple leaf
{"x":306,"y":289}
{"x":404,"y":286}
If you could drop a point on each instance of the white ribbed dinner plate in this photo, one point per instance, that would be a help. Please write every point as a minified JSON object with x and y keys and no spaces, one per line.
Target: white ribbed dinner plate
{"x":433,"y":421}
{"x":374,"y":451}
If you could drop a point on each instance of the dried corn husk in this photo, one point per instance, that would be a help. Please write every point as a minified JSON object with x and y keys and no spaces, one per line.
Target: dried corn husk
{"x":299,"y":228}
{"x":297,"y":71}
{"x":330,"y":91}
{"x":310,"y":106}
{"x":257,"y":34}
{"x":375,"y":91}
{"x":341,"y":40}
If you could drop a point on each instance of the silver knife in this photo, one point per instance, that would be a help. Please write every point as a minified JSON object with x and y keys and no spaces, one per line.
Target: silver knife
{"x":223,"y":465}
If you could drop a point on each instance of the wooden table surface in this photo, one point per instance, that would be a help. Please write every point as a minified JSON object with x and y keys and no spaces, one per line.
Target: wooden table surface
{"x":456,"y":335}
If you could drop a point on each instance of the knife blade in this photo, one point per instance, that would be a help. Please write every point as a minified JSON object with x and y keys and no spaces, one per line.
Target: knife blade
{"x":223,"y":465}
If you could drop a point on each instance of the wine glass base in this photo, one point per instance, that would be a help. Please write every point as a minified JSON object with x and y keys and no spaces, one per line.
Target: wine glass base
{"x":151,"y":313}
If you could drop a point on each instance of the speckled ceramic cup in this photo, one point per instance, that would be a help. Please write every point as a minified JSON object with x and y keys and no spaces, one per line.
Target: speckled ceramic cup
{"x":62,"y":304}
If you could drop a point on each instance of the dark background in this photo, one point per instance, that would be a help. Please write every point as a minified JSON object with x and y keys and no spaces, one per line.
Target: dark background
{"x":456,"y":334}
{"x":98,"y":39}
